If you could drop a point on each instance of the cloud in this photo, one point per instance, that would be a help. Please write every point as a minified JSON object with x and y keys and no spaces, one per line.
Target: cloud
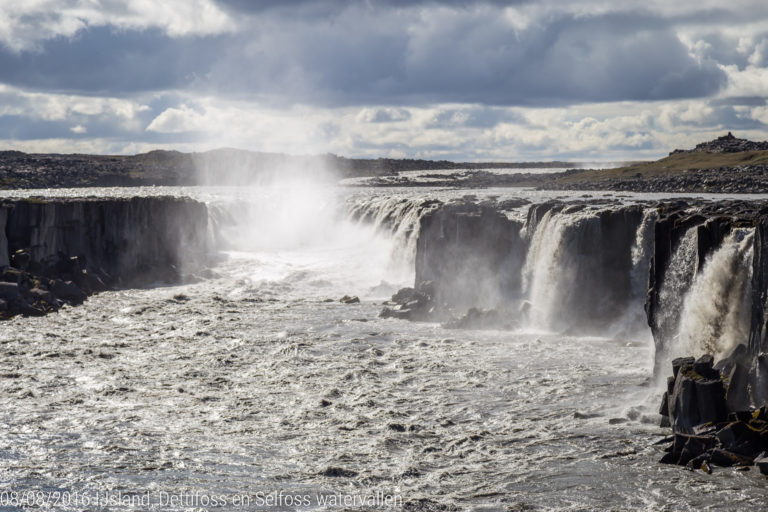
{"x":428,"y":78}
{"x":434,"y":52}
{"x":383,"y":115}
{"x":24,"y":25}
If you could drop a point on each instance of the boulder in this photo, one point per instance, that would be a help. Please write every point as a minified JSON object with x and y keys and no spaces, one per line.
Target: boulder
{"x":762,"y":463}
{"x":679,"y":363}
{"x":40,"y":294}
{"x":21,"y":259}
{"x":9,"y":291}
{"x":68,"y":291}
{"x":737,"y":395}
{"x":710,"y":400}
{"x":684,"y":411}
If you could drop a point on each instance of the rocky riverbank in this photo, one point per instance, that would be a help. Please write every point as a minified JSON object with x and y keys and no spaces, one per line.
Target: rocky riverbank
{"x":59,"y":251}
{"x":724,"y":165}
{"x":708,"y":409}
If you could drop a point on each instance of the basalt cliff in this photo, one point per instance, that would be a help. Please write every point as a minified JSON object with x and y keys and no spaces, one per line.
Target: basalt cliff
{"x":59,"y":251}
{"x":693,"y":272}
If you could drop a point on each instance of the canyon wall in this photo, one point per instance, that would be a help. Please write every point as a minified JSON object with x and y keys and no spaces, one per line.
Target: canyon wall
{"x":57,"y":251}
{"x":694,"y":273}
{"x":124,"y":239}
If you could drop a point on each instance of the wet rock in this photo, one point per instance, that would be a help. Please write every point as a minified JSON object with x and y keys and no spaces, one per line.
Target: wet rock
{"x":726,"y":459}
{"x":38,"y":294}
{"x":396,"y":427}
{"x":68,"y":291}
{"x":10,"y":275}
{"x":710,"y":400}
{"x":349,"y":299}
{"x":482,"y":319}
{"x":737,"y":398}
{"x":761,"y":461}
{"x":410,"y":304}
{"x":21,"y":259}
{"x":679,"y":363}
{"x":336,"y":472}
{"x":9,"y":291}
{"x":703,"y":366}
{"x":684,"y":412}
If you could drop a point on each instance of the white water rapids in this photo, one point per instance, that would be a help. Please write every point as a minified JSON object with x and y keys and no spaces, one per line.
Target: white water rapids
{"x":250,"y":383}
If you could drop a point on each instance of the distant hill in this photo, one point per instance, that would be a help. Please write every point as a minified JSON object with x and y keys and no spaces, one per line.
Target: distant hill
{"x":725,"y":164}
{"x":216,"y":167}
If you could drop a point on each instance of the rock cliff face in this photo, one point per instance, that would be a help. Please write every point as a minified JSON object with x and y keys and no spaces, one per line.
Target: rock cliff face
{"x":68,"y":248}
{"x":473,"y":255}
{"x":698,"y":269}
{"x":558,"y":266}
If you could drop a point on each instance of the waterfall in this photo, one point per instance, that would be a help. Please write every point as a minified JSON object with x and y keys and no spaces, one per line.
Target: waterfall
{"x":545,"y":272}
{"x":399,"y":218}
{"x":716,"y":310}
{"x":635,"y":320}
{"x":582,"y":268}
{"x":677,"y":279}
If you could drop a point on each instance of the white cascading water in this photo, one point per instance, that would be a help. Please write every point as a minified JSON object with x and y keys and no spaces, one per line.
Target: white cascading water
{"x":677,"y":279}
{"x":298,"y":239}
{"x":399,"y":218}
{"x":716,"y":310}
{"x":548,"y":275}
{"x":635,"y":318}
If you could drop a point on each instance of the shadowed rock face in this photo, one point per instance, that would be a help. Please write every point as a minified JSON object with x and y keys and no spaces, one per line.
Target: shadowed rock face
{"x":58,"y":251}
{"x":126,"y":239}
{"x":473,"y":255}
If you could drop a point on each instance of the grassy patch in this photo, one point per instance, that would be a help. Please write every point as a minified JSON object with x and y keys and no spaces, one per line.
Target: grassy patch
{"x":671,"y":166}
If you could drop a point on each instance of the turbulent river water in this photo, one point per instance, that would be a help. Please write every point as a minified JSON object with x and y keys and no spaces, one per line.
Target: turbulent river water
{"x":251,"y":390}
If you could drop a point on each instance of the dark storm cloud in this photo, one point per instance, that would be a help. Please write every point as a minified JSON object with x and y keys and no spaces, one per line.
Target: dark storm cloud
{"x":103,"y":60}
{"x":368,"y":55}
{"x":468,"y":57}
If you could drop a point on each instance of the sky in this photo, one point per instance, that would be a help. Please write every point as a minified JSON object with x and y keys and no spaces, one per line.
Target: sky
{"x":514,"y":80}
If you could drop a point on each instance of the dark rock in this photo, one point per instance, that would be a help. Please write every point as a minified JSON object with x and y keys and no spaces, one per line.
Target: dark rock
{"x":761,"y":461}
{"x":703,"y":366}
{"x":710,"y":400}
{"x":737,"y":396}
{"x":10,"y":275}
{"x":724,"y":458}
{"x":68,"y":291}
{"x":347,"y":299}
{"x":664,"y":408}
{"x":482,"y":319}
{"x":21,"y":259}
{"x":741,"y":438}
{"x":9,"y":291}
{"x":684,"y":411}
{"x":679,"y":363}
{"x":336,"y":472}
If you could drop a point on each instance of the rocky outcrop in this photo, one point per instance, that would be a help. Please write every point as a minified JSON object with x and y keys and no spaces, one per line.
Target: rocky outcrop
{"x":59,"y":251}
{"x":725,"y":144}
{"x":710,"y":425}
{"x":477,"y":265}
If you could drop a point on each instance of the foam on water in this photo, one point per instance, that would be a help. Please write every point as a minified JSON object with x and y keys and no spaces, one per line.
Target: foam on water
{"x":250,"y":383}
